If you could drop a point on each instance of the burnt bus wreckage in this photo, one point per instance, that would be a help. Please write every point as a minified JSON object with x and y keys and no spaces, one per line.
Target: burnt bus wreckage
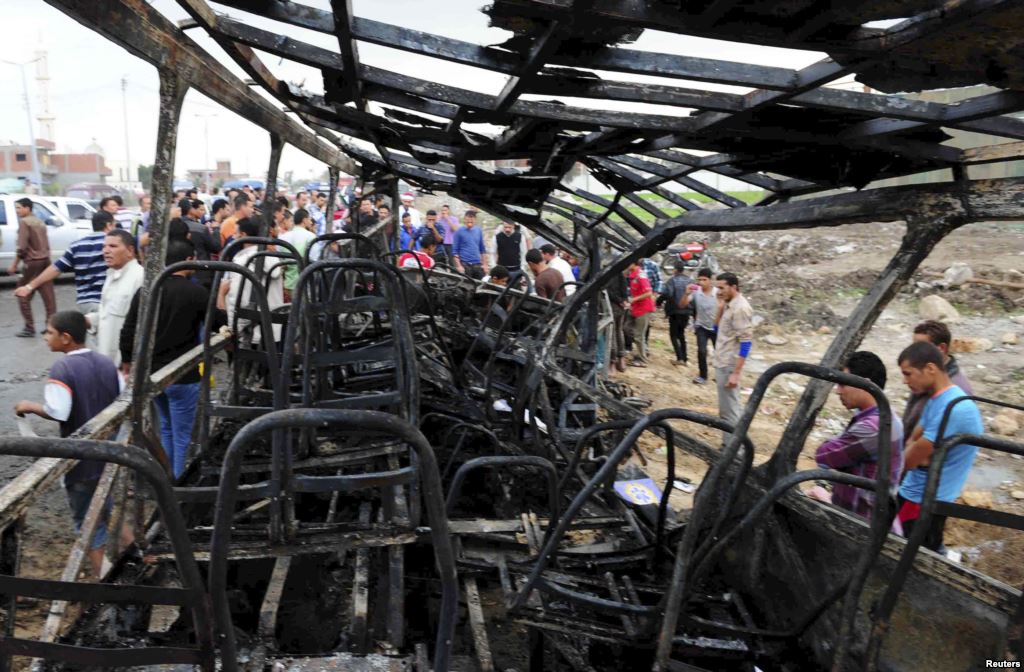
{"x":434,"y":474}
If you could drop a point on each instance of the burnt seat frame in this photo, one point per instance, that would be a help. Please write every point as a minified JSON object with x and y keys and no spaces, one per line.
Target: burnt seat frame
{"x":192,"y":596}
{"x":693,"y":561}
{"x":346,"y":420}
{"x":141,"y":369}
{"x":604,"y":474}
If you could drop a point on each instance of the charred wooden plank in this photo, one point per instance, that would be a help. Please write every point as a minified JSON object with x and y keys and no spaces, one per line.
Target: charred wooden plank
{"x":478,"y":626}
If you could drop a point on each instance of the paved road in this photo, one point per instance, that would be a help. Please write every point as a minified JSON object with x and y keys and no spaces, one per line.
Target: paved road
{"x":24,"y":363}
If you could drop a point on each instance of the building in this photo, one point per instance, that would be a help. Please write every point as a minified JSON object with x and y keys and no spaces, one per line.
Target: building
{"x":16,"y":161}
{"x":57,"y":170}
{"x":215,"y":176}
{"x":86,"y":167}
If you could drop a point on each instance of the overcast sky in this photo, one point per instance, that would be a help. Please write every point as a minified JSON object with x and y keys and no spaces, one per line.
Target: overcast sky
{"x":86,"y":72}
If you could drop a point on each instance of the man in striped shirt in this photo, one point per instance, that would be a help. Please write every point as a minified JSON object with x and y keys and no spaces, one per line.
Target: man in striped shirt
{"x":85,"y":258}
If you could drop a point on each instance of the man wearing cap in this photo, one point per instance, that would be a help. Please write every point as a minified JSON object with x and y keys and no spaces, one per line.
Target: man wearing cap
{"x":407,"y":206}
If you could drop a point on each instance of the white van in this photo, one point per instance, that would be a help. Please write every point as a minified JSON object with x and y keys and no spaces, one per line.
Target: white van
{"x":60,"y":230}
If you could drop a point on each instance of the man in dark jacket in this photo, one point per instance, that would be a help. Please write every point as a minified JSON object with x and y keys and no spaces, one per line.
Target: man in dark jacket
{"x":207,"y":243}
{"x":178,"y":327}
{"x":675,"y":295}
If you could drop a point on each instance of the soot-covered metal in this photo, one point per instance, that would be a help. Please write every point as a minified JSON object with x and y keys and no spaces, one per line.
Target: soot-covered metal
{"x":433,"y":473}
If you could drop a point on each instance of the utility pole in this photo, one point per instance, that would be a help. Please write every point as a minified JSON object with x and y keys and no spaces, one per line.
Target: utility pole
{"x":124,"y":111}
{"x":37,"y":176}
{"x":206,"y":142}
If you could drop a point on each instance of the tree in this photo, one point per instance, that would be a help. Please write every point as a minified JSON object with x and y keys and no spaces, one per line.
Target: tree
{"x":146,"y":177}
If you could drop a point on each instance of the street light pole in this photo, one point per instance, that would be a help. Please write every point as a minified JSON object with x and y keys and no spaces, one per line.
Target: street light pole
{"x":124,"y":111}
{"x":36,"y":172}
{"x":206,"y":141}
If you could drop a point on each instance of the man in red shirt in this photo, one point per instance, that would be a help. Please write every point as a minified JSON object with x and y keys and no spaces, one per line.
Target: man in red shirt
{"x":428,"y":244}
{"x":641,"y":305}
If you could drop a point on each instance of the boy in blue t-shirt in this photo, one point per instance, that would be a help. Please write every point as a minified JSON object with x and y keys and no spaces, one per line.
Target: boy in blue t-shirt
{"x":924,"y":372}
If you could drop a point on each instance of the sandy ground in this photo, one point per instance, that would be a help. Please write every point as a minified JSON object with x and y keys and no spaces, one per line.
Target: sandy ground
{"x":803,"y":289}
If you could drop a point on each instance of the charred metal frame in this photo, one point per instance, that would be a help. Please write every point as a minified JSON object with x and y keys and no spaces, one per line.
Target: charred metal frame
{"x":768,"y":137}
{"x":349,"y":420}
{"x":192,"y":594}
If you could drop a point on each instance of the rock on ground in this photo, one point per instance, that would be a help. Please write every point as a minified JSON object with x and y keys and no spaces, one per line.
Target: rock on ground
{"x":935,"y":307}
{"x":980,"y":498}
{"x":970,"y":344}
{"x":1005,"y":424}
{"x":957,"y":274}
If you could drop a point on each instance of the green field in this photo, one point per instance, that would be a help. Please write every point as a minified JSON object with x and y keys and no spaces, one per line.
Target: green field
{"x":669,"y":208}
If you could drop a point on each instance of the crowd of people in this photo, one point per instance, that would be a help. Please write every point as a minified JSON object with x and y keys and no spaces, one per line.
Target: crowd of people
{"x":98,"y":337}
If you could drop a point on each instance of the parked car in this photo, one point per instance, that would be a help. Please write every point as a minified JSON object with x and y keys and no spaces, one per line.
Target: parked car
{"x":60,"y":230}
{"x":73,"y":208}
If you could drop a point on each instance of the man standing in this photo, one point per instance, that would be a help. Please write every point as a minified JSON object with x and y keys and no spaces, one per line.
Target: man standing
{"x":560,"y":265}
{"x":229,"y":228}
{"x":924,"y":371}
{"x":318,"y":213}
{"x":366,"y":217}
{"x":704,"y":301}
{"x":735,"y":336}
{"x":433,"y":226}
{"x":206,"y":243}
{"x":221,"y":213}
{"x":468,"y":251}
{"x":407,"y":206}
{"x":84,"y":257}
{"x":178,"y":325}
{"x":124,"y":277}
{"x":547,"y":281}
{"x":653,"y":273}
{"x":141,"y":224}
{"x":33,"y":251}
{"x":300,"y":238}
{"x":80,"y":385}
{"x":408,"y":237}
{"x":676,"y":295}
{"x":938,"y":334}
{"x":236,"y":290}
{"x":384,"y":216}
{"x":641,"y":305}
{"x":855,"y":451}
{"x":451,"y":224}
{"x":508,"y":244}
{"x":115,"y":206}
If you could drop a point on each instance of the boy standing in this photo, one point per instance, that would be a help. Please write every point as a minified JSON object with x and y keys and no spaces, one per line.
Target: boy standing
{"x":80,"y":386}
{"x":641,"y":305}
{"x":855,"y":451}
{"x":704,"y":301}
{"x":924,"y":371}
